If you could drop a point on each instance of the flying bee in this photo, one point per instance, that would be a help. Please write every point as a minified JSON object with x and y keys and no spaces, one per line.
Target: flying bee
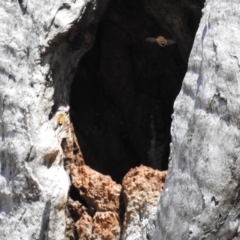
{"x":161,"y":41}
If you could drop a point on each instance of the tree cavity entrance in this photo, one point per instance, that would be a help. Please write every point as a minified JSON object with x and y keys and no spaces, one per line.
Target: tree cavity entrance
{"x":123,"y":92}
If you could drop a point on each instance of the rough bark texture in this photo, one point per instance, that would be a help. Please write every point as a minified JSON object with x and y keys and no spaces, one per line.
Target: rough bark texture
{"x":201,"y":195}
{"x":99,"y":218}
{"x":142,"y":187}
{"x":98,"y":190}
{"x":34,"y":115}
{"x":121,"y":105}
{"x":98,"y":209}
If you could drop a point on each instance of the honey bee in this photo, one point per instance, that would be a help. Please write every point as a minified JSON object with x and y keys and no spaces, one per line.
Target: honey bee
{"x":61,"y":119}
{"x":161,"y":41}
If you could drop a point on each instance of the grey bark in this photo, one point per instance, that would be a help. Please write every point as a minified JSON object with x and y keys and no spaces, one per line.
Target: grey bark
{"x":201,"y":196}
{"x":35,"y":38}
{"x":40,"y":50}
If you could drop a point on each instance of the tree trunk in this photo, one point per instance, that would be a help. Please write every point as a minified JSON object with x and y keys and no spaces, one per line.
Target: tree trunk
{"x":85,"y":65}
{"x":201,"y":194}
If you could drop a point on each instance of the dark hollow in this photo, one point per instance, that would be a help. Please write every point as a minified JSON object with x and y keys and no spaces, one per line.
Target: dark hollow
{"x":123,"y":92}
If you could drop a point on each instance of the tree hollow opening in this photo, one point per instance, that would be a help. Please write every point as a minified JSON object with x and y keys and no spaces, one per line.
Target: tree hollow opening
{"x":123,"y":92}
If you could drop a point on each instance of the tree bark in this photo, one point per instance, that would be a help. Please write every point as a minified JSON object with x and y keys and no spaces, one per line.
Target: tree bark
{"x":42,"y":43}
{"x":201,"y":194}
{"x":40,"y":50}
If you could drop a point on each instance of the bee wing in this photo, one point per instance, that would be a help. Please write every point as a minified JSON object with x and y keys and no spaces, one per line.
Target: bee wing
{"x":170,"y":42}
{"x":151,"y":40}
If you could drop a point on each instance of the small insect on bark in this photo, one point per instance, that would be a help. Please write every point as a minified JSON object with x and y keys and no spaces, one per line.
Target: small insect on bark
{"x":161,"y":41}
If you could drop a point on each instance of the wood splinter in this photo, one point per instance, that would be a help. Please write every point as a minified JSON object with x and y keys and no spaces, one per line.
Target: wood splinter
{"x":161,"y":41}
